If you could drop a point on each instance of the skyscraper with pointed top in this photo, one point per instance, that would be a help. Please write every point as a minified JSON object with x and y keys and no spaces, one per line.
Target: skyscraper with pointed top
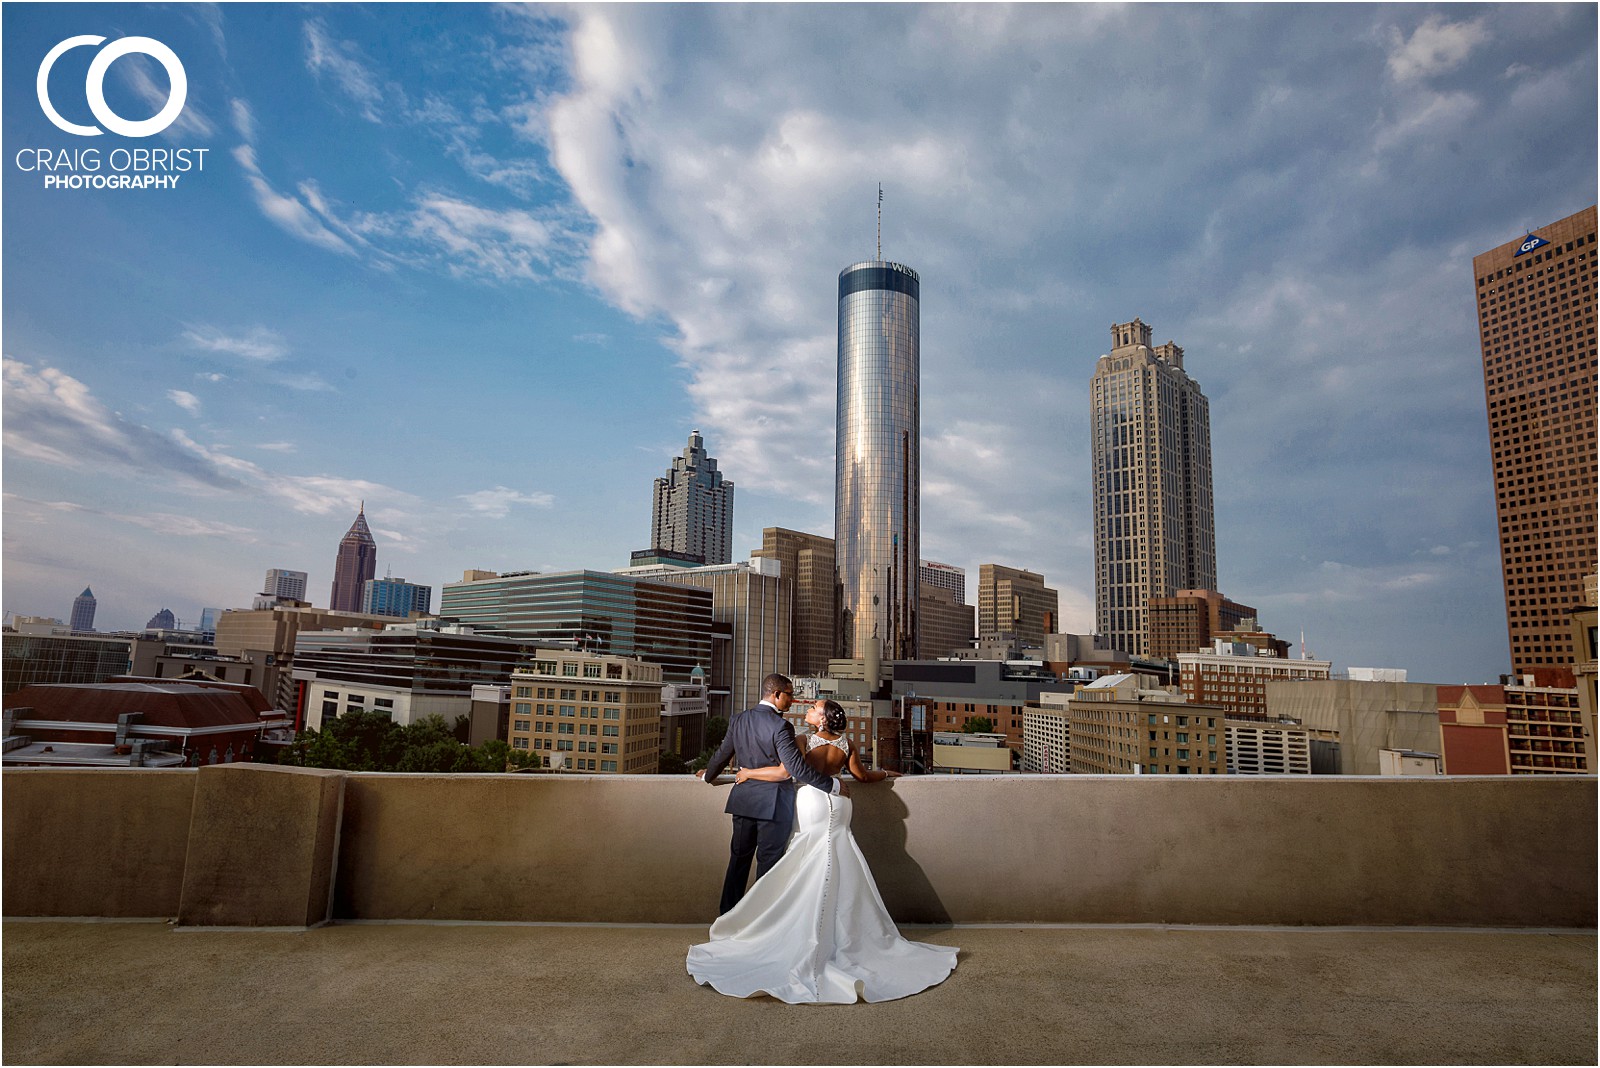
{"x":693,"y":514}
{"x":357,"y":562}
{"x":83,"y":612}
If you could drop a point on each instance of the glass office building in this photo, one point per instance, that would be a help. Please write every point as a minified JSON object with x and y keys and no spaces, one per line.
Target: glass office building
{"x":876,"y":487}
{"x":653,"y":621}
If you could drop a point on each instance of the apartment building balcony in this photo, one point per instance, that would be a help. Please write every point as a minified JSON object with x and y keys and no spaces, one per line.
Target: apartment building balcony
{"x":182,"y":917}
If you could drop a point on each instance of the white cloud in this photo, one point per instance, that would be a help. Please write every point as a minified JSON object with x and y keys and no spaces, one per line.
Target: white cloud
{"x":187,"y":401}
{"x":285,"y":211}
{"x":1434,"y":47}
{"x":342,"y":64}
{"x":53,"y":418}
{"x":258,"y":343}
{"x":496,"y":503}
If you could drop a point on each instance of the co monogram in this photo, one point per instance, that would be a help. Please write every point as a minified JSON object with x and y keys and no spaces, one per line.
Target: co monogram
{"x":94,"y":86}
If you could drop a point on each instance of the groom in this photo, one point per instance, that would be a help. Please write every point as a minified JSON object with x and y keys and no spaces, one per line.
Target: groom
{"x":763,"y":812}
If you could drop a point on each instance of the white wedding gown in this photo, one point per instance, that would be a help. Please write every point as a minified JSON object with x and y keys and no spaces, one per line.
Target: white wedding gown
{"x":813,"y":929}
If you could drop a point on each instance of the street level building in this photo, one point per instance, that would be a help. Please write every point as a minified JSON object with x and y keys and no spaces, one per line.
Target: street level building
{"x":1256,"y":748}
{"x":1150,"y":440}
{"x":1536,"y":324}
{"x":59,"y":658}
{"x":1124,"y":725}
{"x":406,"y":671}
{"x":951,"y":692}
{"x":693,"y":512}
{"x":1047,"y":735}
{"x":1234,"y":676}
{"x":1353,"y":722}
{"x":1013,"y":603}
{"x":588,"y":712}
{"x":684,"y":711}
{"x":754,"y":601}
{"x":877,"y":484}
{"x":265,"y":639}
{"x":1515,"y":728}
{"x":356,"y":562}
{"x":946,"y":622}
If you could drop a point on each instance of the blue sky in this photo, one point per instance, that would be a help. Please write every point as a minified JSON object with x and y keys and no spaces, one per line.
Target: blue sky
{"x":484,"y":268}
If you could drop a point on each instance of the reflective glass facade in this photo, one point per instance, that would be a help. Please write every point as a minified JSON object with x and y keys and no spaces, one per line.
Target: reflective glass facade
{"x":877,"y":514}
{"x":653,"y":621}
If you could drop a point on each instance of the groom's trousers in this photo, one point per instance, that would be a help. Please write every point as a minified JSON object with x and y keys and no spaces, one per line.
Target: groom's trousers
{"x":761,"y":840}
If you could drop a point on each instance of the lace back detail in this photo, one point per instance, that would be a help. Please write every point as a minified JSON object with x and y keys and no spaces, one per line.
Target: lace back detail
{"x":840,"y":743}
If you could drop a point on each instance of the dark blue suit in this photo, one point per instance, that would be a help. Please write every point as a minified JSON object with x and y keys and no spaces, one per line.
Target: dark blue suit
{"x":763,"y":812}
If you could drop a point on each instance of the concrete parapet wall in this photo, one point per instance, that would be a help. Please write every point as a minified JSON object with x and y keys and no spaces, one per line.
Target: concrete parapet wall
{"x":263,"y":846}
{"x":993,"y":849}
{"x":87,"y":842}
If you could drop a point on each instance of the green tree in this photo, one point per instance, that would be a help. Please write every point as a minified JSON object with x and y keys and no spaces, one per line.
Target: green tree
{"x":672,"y":764}
{"x":978,"y":725}
{"x":716,"y":730}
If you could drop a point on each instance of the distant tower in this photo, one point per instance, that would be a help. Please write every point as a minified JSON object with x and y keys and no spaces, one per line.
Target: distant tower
{"x":395,"y":597}
{"x":356,"y":563}
{"x":693,"y":513}
{"x":83,"y":612}
{"x":162,"y":620}
{"x":1154,"y":528}
{"x":876,"y":514}
{"x":283,"y":583}
{"x":1536,"y":306}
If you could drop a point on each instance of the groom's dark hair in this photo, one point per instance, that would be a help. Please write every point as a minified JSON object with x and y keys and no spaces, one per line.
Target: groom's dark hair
{"x":775,"y":683}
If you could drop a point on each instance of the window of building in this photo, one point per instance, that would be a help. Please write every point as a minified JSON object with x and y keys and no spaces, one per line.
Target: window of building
{"x":570,"y":668}
{"x":569,"y":710}
{"x":591,"y":671}
{"x":522,"y":725}
{"x":526,"y":691}
{"x":524,"y":709}
{"x":519,"y":743}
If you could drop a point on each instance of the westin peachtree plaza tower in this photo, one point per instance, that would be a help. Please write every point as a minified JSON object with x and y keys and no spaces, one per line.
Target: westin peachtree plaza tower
{"x":876,"y":513}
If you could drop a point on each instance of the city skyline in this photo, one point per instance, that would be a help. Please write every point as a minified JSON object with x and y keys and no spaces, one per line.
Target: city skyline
{"x":404,"y":226}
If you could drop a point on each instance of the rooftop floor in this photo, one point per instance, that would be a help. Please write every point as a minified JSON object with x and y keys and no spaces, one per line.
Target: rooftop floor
{"x":122,"y":992}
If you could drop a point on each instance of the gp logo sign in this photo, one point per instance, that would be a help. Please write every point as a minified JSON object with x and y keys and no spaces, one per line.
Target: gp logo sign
{"x":1531,"y":242}
{"x":94,"y":86}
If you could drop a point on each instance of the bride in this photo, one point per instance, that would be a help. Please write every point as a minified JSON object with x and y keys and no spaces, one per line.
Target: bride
{"x":813,"y":928}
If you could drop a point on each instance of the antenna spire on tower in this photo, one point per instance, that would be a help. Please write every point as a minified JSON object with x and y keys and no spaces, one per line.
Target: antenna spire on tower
{"x":880,"y":220}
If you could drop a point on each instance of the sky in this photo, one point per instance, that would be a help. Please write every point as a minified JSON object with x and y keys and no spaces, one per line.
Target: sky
{"x":484,"y":269}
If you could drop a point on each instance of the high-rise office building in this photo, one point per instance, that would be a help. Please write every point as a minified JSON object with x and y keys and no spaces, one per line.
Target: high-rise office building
{"x":945,"y":577}
{"x":83,"y":612}
{"x":755,"y":602}
{"x":1154,"y":529}
{"x":1536,"y":312}
{"x":661,"y":623}
{"x":282,"y":584}
{"x":356,"y":563}
{"x":693,"y":515}
{"x":395,"y":597}
{"x":1013,"y":603}
{"x":877,"y":486}
{"x":809,"y":560}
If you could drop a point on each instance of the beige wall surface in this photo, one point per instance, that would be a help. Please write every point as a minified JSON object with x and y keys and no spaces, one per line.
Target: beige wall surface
{"x":82,"y":842}
{"x":1497,"y":851}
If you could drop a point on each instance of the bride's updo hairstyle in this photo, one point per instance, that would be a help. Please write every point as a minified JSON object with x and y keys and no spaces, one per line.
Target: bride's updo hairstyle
{"x":835,"y":718}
